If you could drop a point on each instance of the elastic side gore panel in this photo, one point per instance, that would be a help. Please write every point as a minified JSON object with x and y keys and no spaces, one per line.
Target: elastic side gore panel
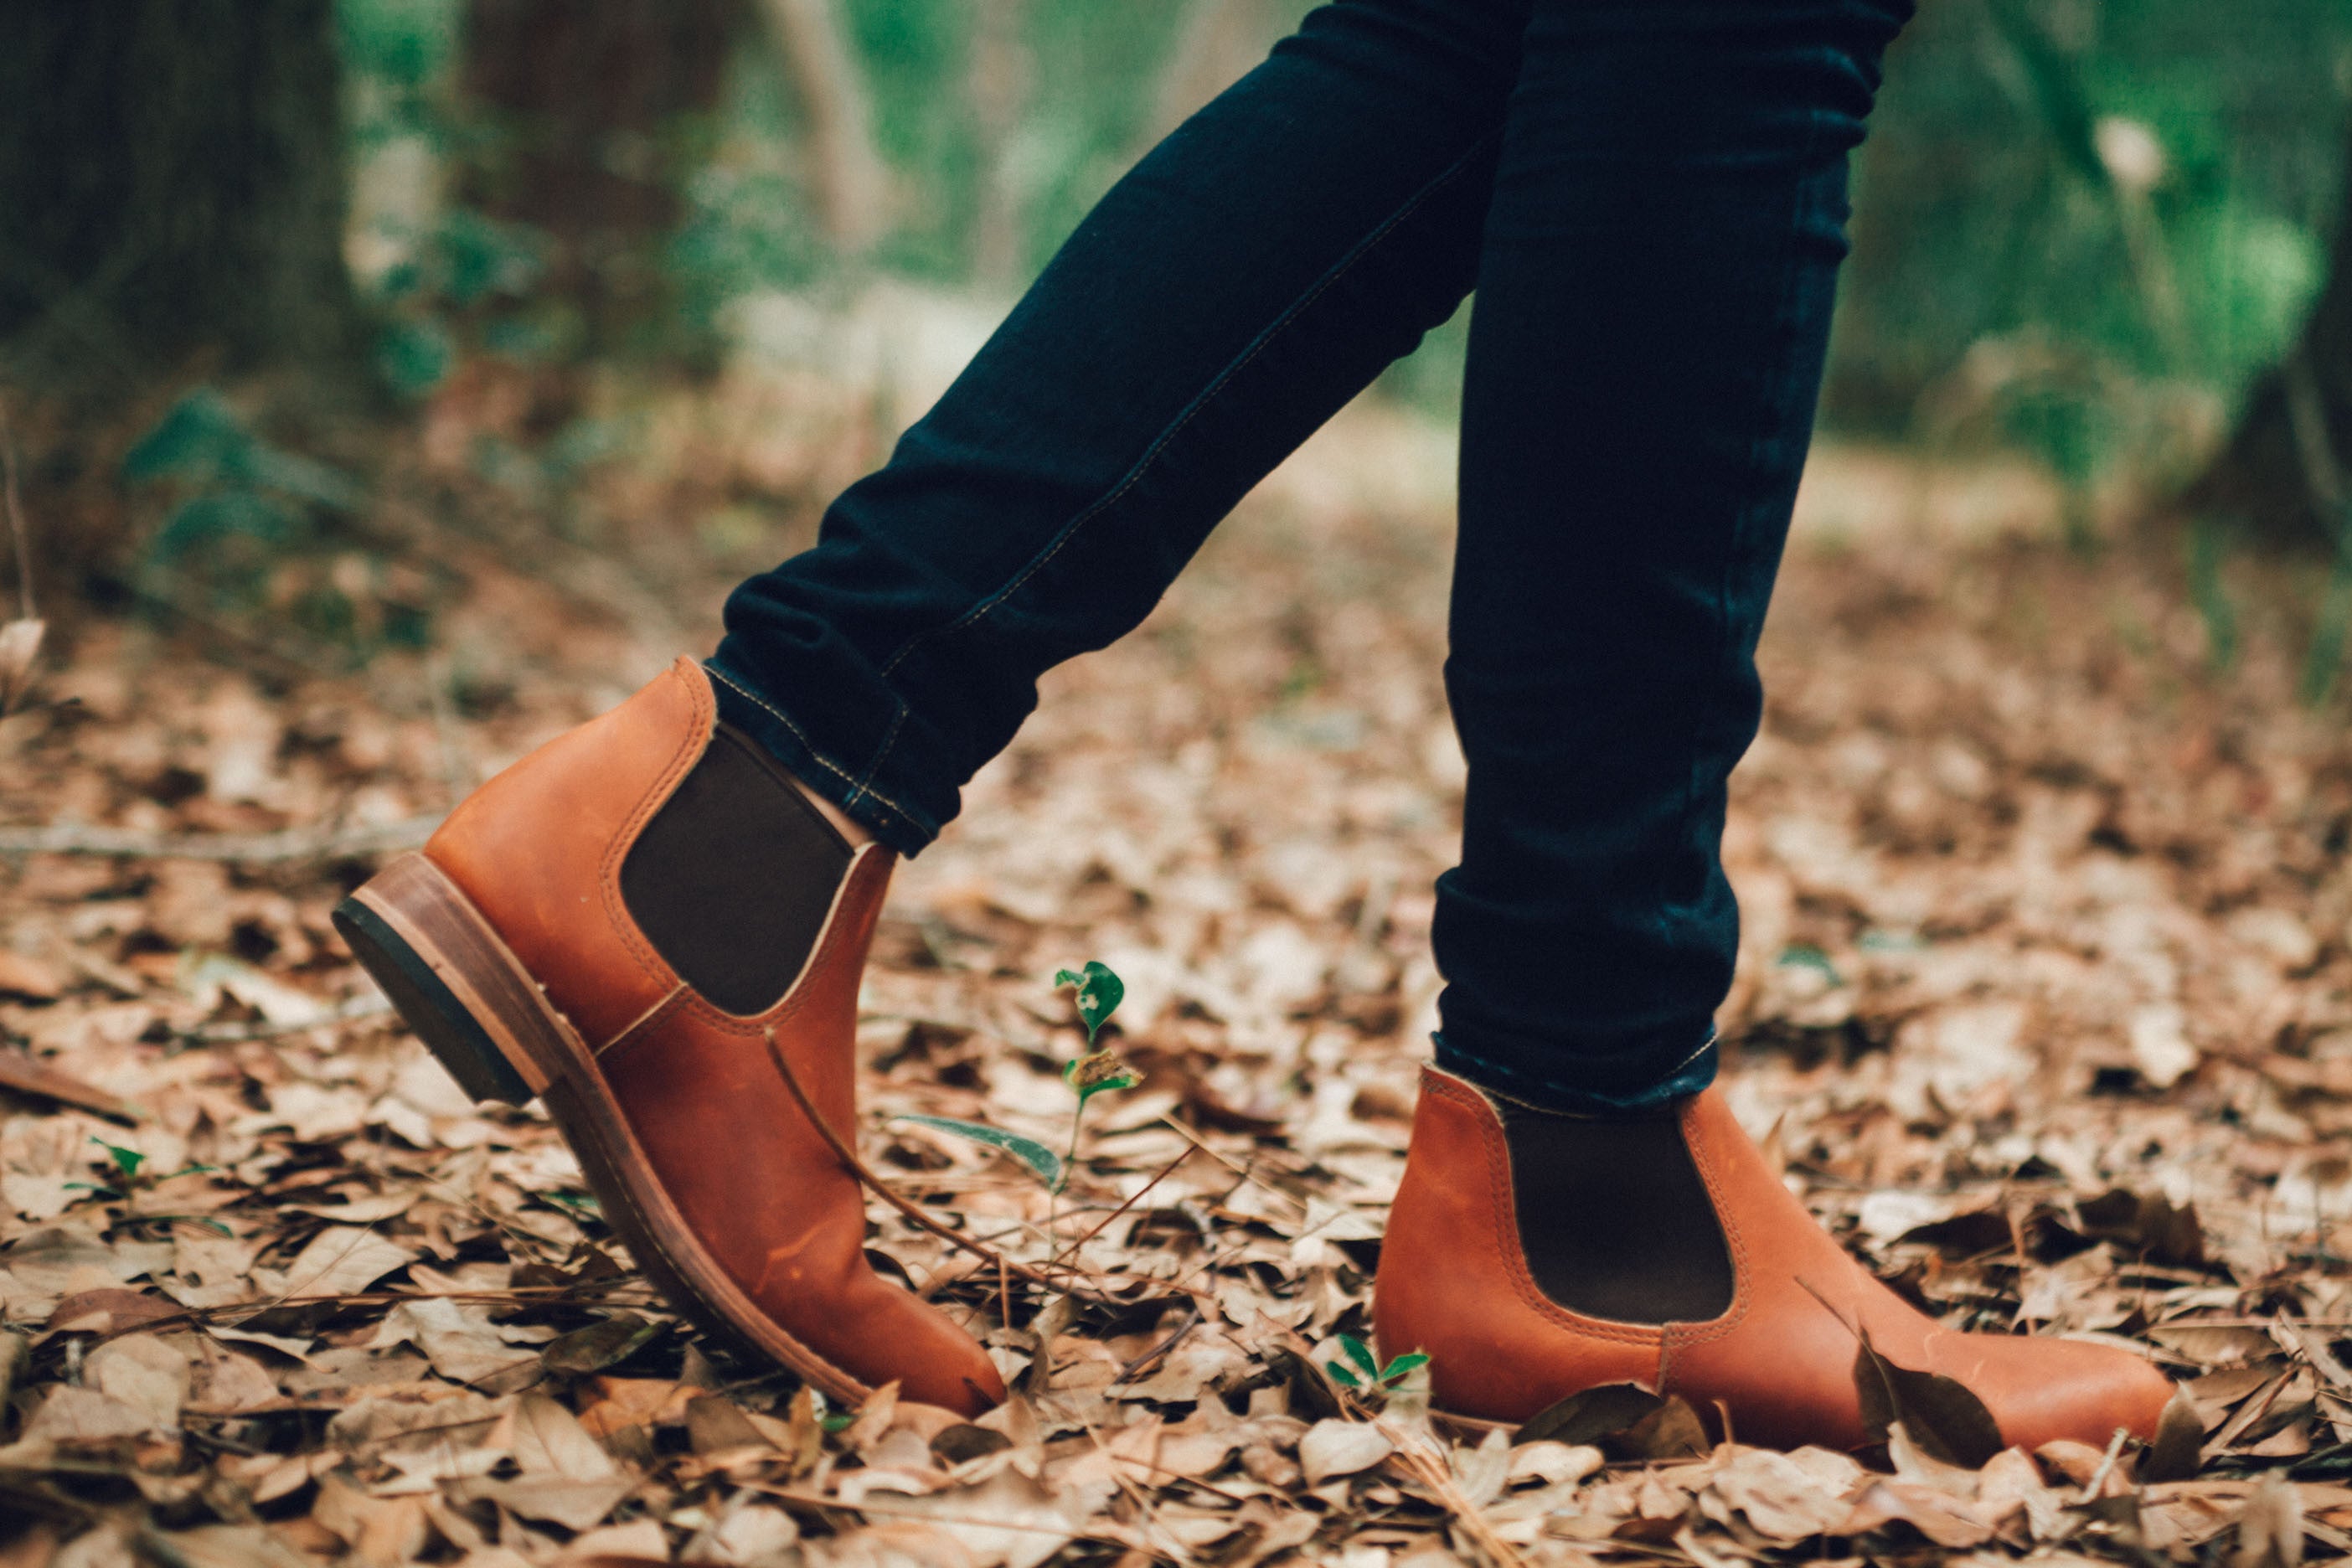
{"x":1613,"y":1218}
{"x":731,"y":880}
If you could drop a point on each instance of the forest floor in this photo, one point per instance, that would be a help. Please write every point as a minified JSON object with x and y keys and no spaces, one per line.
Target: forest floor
{"x":2045,"y":1003}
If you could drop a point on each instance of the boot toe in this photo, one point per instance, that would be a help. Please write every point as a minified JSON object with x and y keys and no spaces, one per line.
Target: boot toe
{"x":947,"y":1367}
{"x":2048,"y":1389}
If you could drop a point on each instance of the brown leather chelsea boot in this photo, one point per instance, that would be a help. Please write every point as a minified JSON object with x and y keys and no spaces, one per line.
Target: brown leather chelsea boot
{"x":618,"y":924}
{"x":1533,"y":1255}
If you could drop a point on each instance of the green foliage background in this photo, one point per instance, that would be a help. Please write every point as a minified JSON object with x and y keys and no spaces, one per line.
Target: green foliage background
{"x":1985,"y":212}
{"x":1983,"y":209}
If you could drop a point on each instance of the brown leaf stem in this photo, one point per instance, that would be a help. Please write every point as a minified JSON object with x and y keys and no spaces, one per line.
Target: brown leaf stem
{"x":242,"y":849}
{"x":913,"y":1212}
{"x":1166,"y":1170}
{"x":16,"y":531}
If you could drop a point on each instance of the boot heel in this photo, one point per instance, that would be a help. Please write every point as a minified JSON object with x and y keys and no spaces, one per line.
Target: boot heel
{"x":444,"y":968}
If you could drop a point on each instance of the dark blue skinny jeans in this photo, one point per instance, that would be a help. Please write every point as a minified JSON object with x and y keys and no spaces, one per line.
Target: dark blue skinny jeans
{"x":1649,"y":197}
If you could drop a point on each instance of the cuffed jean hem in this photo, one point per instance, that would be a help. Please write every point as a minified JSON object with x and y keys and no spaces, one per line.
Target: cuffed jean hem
{"x":1530,"y":1074}
{"x":742,"y":706}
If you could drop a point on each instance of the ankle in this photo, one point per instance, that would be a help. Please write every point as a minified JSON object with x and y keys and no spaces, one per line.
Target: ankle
{"x":848,"y":826}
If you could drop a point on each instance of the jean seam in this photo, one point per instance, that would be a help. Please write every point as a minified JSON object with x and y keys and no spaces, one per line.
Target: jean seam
{"x":1783,"y":322}
{"x":864,"y":786}
{"x":857,"y":787}
{"x":1200,"y":403}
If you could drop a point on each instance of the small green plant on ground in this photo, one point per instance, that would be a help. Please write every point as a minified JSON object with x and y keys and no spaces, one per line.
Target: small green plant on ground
{"x":1368,"y":1373}
{"x":1100,"y":992}
{"x":126,"y":1179}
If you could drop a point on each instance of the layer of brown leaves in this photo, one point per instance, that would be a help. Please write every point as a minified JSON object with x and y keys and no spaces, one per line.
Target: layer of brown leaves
{"x":2044,"y":1005}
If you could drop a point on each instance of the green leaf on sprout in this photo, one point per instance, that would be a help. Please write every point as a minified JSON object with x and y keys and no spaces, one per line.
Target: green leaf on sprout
{"x":1404,"y":1366}
{"x":1092,"y":1074}
{"x":1028,"y":1150}
{"x":127,"y":1161}
{"x":1342,"y":1376}
{"x":1100,"y":993}
{"x":1361,"y":1354}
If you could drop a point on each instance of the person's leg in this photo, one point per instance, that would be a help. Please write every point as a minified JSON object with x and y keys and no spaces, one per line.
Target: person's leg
{"x":1653,"y":300}
{"x":1646,"y":350}
{"x":1244,"y":280}
{"x":1653,"y":303}
{"x":646,"y":924}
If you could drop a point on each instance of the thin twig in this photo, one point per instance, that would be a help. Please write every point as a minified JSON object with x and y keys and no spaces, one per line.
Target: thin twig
{"x":1168,"y":1342}
{"x":514,"y":1295}
{"x":2251,"y":1323}
{"x":1134,"y":1494}
{"x":358,"y":1010}
{"x":1433,"y":1472}
{"x":1845,"y":1322}
{"x":244,"y":849}
{"x":913,"y":1212}
{"x":21,"y":1072}
{"x":164,"y":589}
{"x":15,"y":516}
{"x":1242,"y":1171}
{"x":2106,"y":1466}
{"x":1071,"y":1251}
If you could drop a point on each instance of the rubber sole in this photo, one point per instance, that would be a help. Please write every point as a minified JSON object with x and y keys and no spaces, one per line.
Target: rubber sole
{"x":430,"y":1007}
{"x":470,"y":1001}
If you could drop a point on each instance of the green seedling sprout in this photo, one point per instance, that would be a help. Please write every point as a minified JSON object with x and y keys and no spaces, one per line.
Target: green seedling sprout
{"x":1367,"y":1372}
{"x":1100,"y":993}
{"x":126,"y":1162}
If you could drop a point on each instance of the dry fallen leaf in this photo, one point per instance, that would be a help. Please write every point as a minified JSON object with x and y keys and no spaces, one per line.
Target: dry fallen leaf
{"x":1933,"y":1513}
{"x":2180,"y":1441}
{"x":342,"y":1259}
{"x":1335,"y":1447}
{"x":2040,"y":1005}
{"x":1938,"y":1414}
{"x":151,"y":1376}
{"x":24,"y":976}
{"x":459,"y":1339}
{"x":83,"y":1416}
{"x":2270,"y":1531}
{"x":1779,"y":1496}
{"x":21,"y":1074}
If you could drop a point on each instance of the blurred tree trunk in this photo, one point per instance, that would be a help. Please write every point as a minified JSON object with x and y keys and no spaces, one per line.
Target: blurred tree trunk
{"x":589,"y":101}
{"x":2281,"y":473}
{"x":171,"y":177}
{"x":848,"y":182}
